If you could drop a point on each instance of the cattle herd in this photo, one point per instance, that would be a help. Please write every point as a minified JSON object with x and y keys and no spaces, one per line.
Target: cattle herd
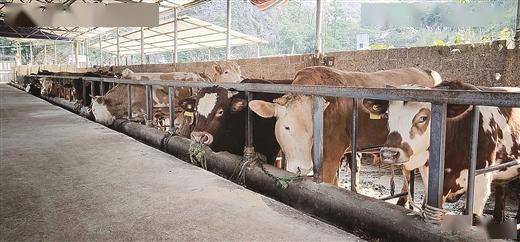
{"x":216,"y":117}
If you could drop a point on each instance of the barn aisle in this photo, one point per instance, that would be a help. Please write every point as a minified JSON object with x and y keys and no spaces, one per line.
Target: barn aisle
{"x":63,"y":177}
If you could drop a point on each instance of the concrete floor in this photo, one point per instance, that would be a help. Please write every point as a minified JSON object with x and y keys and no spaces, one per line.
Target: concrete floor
{"x":63,"y":177}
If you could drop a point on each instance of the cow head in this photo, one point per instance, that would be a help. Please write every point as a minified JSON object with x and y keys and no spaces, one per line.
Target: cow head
{"x":409,"y":124}
{"x":227,"y":72}
{"x":127,"y":74}
{"x":213,"y":106}
{"x":293,"y":128}
{"x":100,"y":110}
{"x":46,"y":86}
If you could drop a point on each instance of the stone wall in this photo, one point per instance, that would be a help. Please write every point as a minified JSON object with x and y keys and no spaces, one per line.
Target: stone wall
{"x":487,"y":64}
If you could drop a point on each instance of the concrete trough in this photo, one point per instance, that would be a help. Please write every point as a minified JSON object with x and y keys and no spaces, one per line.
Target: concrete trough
{"x":364,"y":216}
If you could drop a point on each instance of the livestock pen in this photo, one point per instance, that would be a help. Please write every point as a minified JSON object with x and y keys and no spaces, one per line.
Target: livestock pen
{"x":340,"y":207}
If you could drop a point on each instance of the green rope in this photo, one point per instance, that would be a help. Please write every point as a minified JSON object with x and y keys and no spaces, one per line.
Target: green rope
{"x":197,"y":154}
{"x":283,"y":182}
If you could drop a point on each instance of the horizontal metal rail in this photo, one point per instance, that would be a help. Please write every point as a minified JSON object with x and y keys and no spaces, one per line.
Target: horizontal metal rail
{"x":483,"y":98}
{"x":497,"y":167}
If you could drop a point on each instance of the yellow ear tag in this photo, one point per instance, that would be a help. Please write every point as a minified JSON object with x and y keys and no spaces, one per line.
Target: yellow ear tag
{"x":375,"y":116}
{"x":189,"y":114}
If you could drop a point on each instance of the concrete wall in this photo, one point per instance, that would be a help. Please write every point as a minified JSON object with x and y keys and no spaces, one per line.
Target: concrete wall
{"x":479,"y":64}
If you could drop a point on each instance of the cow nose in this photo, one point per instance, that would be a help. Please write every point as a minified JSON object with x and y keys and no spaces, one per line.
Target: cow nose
{"x":202,"y":137}
{"x":389,"y":154}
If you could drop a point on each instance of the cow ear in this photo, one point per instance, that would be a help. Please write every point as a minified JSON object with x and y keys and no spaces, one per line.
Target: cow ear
{"x":237,"y":104}
{"x":263,"y":109}
{"x":232,"y":93}
{"x":375,"y":106}
{"x":455,"y":111}
{"x":217,"y":68}
{"x":188,"y":104}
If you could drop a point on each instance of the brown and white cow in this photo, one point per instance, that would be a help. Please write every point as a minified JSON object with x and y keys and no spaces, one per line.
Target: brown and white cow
{"x":409,"y":139}
{"x":227,"y":72}
{"x":294,"y":116}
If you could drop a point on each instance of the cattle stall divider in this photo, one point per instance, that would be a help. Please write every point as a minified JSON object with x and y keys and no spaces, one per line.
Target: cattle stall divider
{"x":438,"y":98}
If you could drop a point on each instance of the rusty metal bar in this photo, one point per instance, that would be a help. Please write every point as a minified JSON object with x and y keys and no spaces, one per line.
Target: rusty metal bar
{"x":353,"y":146}
{"x":249,"y":122}
{"x":475,"y":118}
{"x":437,"y":148}
{"x":317,"y":139}
{"x":171,"y":106}
{"x":129,"y":102}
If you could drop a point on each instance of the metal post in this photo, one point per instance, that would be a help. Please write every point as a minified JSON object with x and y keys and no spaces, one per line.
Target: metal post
{"x":175,"y":36}
{"x":257,"y":50}
{"x":228,"y":33}
{"x":412,"y":187}
{"x":129,"y":102}
{"x":437,"y":148}
{"x":55,"y":53}
{"x":86,"y":54}
{"x":76,"y":59}
{"x":249,"y":122}
{"x":100,"y":52}
{"x":44,"y":52}
{"x":92,"y":88}
{"x":171,"y":106}
{"x":117,"y":46}
{"x":30,"y":53}
{"x":102,"y":88}
{"x":517,"y":32}
{"x":319,"y":17}
{"x":472,"y":160}
{"x":317,"y":139}
{"x":353,"y":145}
{"x":142,"y":46}
{"x":149,"y":104}
{"x":84,"y":92}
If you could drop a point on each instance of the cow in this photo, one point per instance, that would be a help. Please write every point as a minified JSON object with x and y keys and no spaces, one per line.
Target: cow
{"x":227,"y":72}
{"x":220,"y":120}
{"x":294,"y":116}
{"x":407,"y":144}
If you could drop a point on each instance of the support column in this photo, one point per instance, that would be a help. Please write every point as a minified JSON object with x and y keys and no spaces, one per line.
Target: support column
{"x":76,"y":56}
{"x":100,"y":52}
{"x":142,"y":46}
{"x":87,"y":59}
{"x":55,"y":53}
{"x":228,"y":33}
{"x":517,"y":32}
{"x":44,"y":52}
{"x":30,"y":53}
{"x":175,"y":36}
{"x":319,"y":17}
{"x":117,"y":46}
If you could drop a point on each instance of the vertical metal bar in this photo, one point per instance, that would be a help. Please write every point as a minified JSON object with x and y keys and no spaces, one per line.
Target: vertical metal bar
{"x":175,"y":36}
{"x":472,"y":159}
{"x":87,"y":59}
{"x":319,"y":17}
{"x":100,"y":52}
{"x":437,"y":148}
{"x":102,"y":88}
{"x":129,"y":102}
{"x":249,"y":122}
{"x":117,"y":47}
{"x":30,"y":53}
{"x":76,"y":57}
{"x":44,"y":52}
{"x":257,"y":50}
{"x":84,"y":92}
{"x":92,"y":88}
{"x":412,"y":187}
{"x":228,"y":31}
{"x":353,"y":145}
{"x":142,"y":46}
{"x":171,"y":106}
{"x":149,"y":102}
{"x":317,"y":139}
{"x":517,"y":31}
{"x":55,"y":53}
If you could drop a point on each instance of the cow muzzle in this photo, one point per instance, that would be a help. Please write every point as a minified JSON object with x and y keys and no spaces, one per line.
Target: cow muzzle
{"x":391,"y":155}
{"x":202,"y":137}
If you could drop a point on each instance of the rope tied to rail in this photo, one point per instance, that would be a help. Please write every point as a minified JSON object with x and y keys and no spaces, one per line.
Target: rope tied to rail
{"x":198,"y":154}
{"x":429,"y":214}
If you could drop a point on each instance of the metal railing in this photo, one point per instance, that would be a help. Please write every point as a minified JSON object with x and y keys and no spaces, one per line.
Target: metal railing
{"x":438,"y":99}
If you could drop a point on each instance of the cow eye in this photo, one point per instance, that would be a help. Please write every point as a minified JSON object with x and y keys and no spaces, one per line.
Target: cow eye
{"x":287,"y":128}
{"x":423,"y":119}
{"x":220,"y":112}
{"x":225,"y":72}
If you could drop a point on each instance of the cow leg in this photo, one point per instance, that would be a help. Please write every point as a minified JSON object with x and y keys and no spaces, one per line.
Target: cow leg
{"x":350,"y":159}
{"x":500,"y":203}
{"x":406,"y":177}
{"x":482,"y":192}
